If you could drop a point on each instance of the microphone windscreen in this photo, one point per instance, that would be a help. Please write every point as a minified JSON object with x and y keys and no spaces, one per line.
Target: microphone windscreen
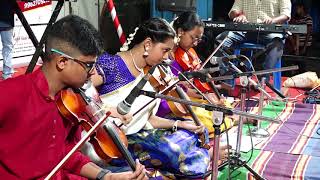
{"x":123,"y":108}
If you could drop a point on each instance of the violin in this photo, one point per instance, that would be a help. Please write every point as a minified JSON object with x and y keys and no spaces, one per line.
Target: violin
{"x":82,"y":110}
{"x":161,"y":83}
{"x":116,"y":139}
{"x":189,"y":61}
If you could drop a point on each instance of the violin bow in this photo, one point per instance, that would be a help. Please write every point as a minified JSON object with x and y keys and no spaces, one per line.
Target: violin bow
{"x":213,"y":53}
{"x":77,"y":146}
{"x":161,"y":92}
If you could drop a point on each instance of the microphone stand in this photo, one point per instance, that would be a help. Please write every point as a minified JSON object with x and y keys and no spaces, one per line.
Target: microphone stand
{"x":218,"y":118}
{"x":204,"y":78}
{"x":258,"y":131}
{"x":250,"y":80}
{"x":220,"y":111}
{"x":244,"y":81}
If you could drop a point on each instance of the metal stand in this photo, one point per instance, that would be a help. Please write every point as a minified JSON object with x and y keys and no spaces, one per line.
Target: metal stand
{"x":38,"y":45}
{"x":217,"y":121}
{"x":236,"y":158}
{"x":24,"y":22}
{"x":258,"y":131}
{"x":250,"y":80}
{"x":240,"y":125}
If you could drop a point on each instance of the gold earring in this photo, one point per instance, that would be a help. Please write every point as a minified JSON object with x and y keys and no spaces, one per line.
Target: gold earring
{"x":146,"y":54}
{"x":177,"y":39}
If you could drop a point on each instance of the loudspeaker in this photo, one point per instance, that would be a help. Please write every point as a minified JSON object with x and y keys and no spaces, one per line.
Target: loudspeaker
{"x":177,"y":5}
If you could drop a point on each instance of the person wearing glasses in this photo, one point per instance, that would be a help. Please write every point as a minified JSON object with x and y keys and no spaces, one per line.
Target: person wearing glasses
{"x":189,"y":30}
{"x":170,"y":146}
{"x":88,"y":66}
{"x":34,"y":136}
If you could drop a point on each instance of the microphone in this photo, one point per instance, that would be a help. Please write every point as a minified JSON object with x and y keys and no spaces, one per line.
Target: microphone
{"x":250,"y":80}
{"x":218,"y":60}
{"x":210,"y":107}
{"x":201,"y":74}
{"x":275,"y":90}
{"x":124,"y":107}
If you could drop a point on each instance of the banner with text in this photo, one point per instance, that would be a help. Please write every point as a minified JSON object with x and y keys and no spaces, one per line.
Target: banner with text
{"x":37,"y":13}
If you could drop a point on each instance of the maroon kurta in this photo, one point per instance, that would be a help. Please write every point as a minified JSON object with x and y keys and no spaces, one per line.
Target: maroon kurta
{"x":33,"y":134}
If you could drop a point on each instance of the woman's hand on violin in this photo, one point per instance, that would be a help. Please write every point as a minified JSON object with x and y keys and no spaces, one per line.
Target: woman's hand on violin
{"x":138,"y":174}
{"x":214,"y":99}
{"x":189,"y":125}
{"x":124,"y":118}
{"x":193,"y":93}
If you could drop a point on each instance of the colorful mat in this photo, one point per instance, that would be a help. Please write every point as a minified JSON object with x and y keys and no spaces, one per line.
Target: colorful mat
{"x":292,"y":151}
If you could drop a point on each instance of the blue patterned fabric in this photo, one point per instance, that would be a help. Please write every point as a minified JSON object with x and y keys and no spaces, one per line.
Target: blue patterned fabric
{"x":173,"y":153}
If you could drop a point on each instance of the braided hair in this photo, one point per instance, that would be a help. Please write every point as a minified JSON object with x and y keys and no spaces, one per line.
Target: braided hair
{"x":157,"y":29}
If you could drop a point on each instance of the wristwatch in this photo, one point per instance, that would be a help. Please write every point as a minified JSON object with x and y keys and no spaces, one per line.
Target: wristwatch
{"x":102,"y":173}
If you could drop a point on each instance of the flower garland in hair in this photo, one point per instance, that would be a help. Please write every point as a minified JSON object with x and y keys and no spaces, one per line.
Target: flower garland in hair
{"x":176,"y":37}
{"x":125,"y":46}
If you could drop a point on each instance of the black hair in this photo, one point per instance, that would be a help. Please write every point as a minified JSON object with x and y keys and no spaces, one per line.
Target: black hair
{"x":187,"y":21}
{"x":301,"y":4}
{"x":75,"y":32}
{"x":159,"y":30}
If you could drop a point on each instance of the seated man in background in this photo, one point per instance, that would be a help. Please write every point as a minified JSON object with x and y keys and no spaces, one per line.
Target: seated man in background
{"x":301,"y":42}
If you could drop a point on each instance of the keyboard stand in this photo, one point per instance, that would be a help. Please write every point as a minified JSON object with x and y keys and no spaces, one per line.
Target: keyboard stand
{"x":38,"y":45}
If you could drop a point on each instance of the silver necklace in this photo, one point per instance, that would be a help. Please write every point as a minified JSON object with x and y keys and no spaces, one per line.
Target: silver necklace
{"x":134,"y":63}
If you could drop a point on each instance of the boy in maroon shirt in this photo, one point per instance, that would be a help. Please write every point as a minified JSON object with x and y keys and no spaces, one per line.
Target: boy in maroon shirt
{"x":34,"y":136}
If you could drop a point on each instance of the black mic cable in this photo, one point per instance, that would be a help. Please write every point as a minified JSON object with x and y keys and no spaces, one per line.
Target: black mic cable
{"x":275,"y":90}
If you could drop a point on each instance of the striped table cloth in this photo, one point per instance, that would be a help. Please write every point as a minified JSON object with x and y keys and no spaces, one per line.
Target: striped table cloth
{"x":289,"y":152}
